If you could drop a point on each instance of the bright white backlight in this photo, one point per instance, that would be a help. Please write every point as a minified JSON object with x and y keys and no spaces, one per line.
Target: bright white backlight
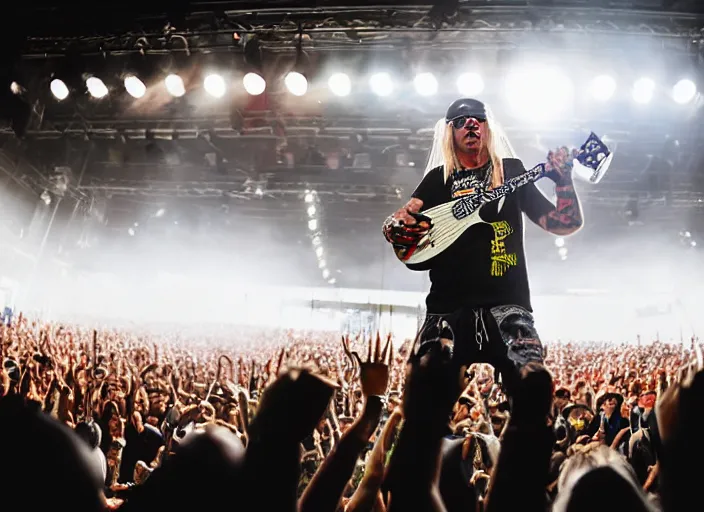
{"x":135,"y":87}
{"x":253,"y":84}
{"x":603,"y":87}
{"x":58,"y":89}
{"x":684,"y":91}
{"x":643,"y":90}
{"x":381,"y":84}
{"x":174,"y":84}
{"x":426,"y":84}
{"x":312,"y":224}
{"x":340,"y":84}
{"x":296,"y":83}
{"x":326,"y":273}
{"x":470,"y":84}
{"x":539,"y":93}
{"x":559,"y":242}
{"x":96,"y":87}
{"x":214,"y":85}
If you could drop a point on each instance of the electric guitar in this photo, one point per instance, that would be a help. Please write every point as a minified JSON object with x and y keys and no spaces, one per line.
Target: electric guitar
{"x":449,"y":220}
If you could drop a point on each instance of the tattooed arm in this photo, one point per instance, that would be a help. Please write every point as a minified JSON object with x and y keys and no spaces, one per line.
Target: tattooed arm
{"x":564,"y":217}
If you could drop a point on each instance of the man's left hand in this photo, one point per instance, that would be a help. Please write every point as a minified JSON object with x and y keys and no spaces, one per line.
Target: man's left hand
{"x":560,"y":163}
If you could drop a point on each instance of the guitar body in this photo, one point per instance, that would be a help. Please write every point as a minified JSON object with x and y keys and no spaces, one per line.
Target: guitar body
{"x":429,"y":246}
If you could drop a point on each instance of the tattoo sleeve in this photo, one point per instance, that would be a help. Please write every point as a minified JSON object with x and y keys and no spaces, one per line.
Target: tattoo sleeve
{"x":566,"y":217}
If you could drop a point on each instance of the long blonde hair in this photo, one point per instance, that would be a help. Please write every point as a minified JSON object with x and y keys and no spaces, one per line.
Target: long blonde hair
{"x":489,"y":143}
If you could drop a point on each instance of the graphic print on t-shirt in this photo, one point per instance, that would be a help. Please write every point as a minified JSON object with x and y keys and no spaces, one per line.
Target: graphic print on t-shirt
{"x":501,"y":261}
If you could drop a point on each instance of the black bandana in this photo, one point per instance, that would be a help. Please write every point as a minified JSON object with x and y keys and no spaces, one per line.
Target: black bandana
{"x":466,"y":181}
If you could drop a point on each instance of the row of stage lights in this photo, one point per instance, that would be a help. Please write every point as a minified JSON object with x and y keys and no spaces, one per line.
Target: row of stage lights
{"x":602,"y":87}
{"x":311,"y":199}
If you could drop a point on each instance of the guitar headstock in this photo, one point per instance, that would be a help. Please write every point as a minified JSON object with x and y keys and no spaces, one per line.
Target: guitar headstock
{"x":593,"y":159}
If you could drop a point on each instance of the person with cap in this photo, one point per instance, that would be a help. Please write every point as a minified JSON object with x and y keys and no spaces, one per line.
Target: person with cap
{"x":479,"y":294}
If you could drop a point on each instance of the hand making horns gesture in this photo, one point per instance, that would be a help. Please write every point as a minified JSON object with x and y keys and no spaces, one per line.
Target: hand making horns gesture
{"x":374,"y":373}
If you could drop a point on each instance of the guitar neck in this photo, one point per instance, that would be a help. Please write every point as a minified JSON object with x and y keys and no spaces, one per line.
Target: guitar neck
{"x":467,"y":205}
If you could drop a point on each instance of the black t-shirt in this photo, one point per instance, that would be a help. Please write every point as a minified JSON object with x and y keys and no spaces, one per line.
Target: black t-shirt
{"x":486,"y":265}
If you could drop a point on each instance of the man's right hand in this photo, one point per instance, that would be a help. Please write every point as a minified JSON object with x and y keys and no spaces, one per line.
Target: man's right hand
{"x":402,"y":228}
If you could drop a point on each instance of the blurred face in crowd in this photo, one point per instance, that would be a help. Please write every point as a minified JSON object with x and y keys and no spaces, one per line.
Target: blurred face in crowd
{"x":647,"y":401}
{"x":610,"y":406}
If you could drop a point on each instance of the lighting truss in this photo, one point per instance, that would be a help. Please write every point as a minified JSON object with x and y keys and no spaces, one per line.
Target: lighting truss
{"x":480,"y":23}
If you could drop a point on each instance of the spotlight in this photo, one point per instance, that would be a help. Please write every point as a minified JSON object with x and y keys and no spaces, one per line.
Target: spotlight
{"x":603,"y":88}
{"x":326,"y":274}
{"x":321,"y":264}
{"x":319,"y":251}
{"x":539,"y":93}
{"x":312,"y":224}
{"x":160,"y":212}
{"x":253,"y":84}
{"x":340,"y":84}
{"x":559,"y":242}
{"x":309,"y":197}
{"x":643,"y":90}
{"x":96,"y":87}
{"x":58,"y":89}
{"x":46,"y":197}
{"x":311,"y":211}
{"x":135,"y":87}
{"x":130,"y":231}
{"x":381,"y":84}
{"x":684,"y":91}
{"x":332,"y":281}
{"x":214,"y":85}
{"x":316,"y":240}
{"x":563,"y":252}
{"x":426,"y":84}
{"x":470,"y":84}
{"x":296,"y":83}
{"x":258,"y":191}
{"x":175,"y":86}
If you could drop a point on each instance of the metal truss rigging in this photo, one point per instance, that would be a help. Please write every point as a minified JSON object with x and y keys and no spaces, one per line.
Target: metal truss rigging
{"x":329,"y":28}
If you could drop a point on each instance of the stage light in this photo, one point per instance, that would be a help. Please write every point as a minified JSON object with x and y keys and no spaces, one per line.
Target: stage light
{"x":175,"y":86}
{"x":332,"y":281}
{"x":309,"y":197}
{"x":58,"y":89}
{"x":603,"y":88}
{"x":562,"y":252}
{"x":470,"y":84}
{"x":539,"y":93}
{"x":326,"y":273}
{"x":684,"y":91}
{"x":160,"y":212}
{"x":426,"y":84}
{"x":311,"y":211}
{"x":296,"y":83}
{"x":340,"y":84}
{"x":643,"y":90}
{"x":130,"y":231}
{"x":381,"y":84}
{"x":316,"y":240}
{"x":215,"y":85}
{"x":253,"y":84}
{"x":313,"y":224}
{"x":319,"y":251}
{"x":559,"y":242}
{"x":321,"y":264}
{"x":135,"y":87}
{"x":259,"y":192}
{"x":96,"y":87}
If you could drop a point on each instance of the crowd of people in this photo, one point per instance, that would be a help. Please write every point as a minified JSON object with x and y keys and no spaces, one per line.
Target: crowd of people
{"x":317,"y":421}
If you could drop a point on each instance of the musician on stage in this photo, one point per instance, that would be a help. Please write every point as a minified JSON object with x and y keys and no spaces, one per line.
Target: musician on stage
{"x":479,"y":295}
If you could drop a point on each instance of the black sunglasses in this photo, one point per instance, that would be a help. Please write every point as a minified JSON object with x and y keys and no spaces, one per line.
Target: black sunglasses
{"x":459,"y":122}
